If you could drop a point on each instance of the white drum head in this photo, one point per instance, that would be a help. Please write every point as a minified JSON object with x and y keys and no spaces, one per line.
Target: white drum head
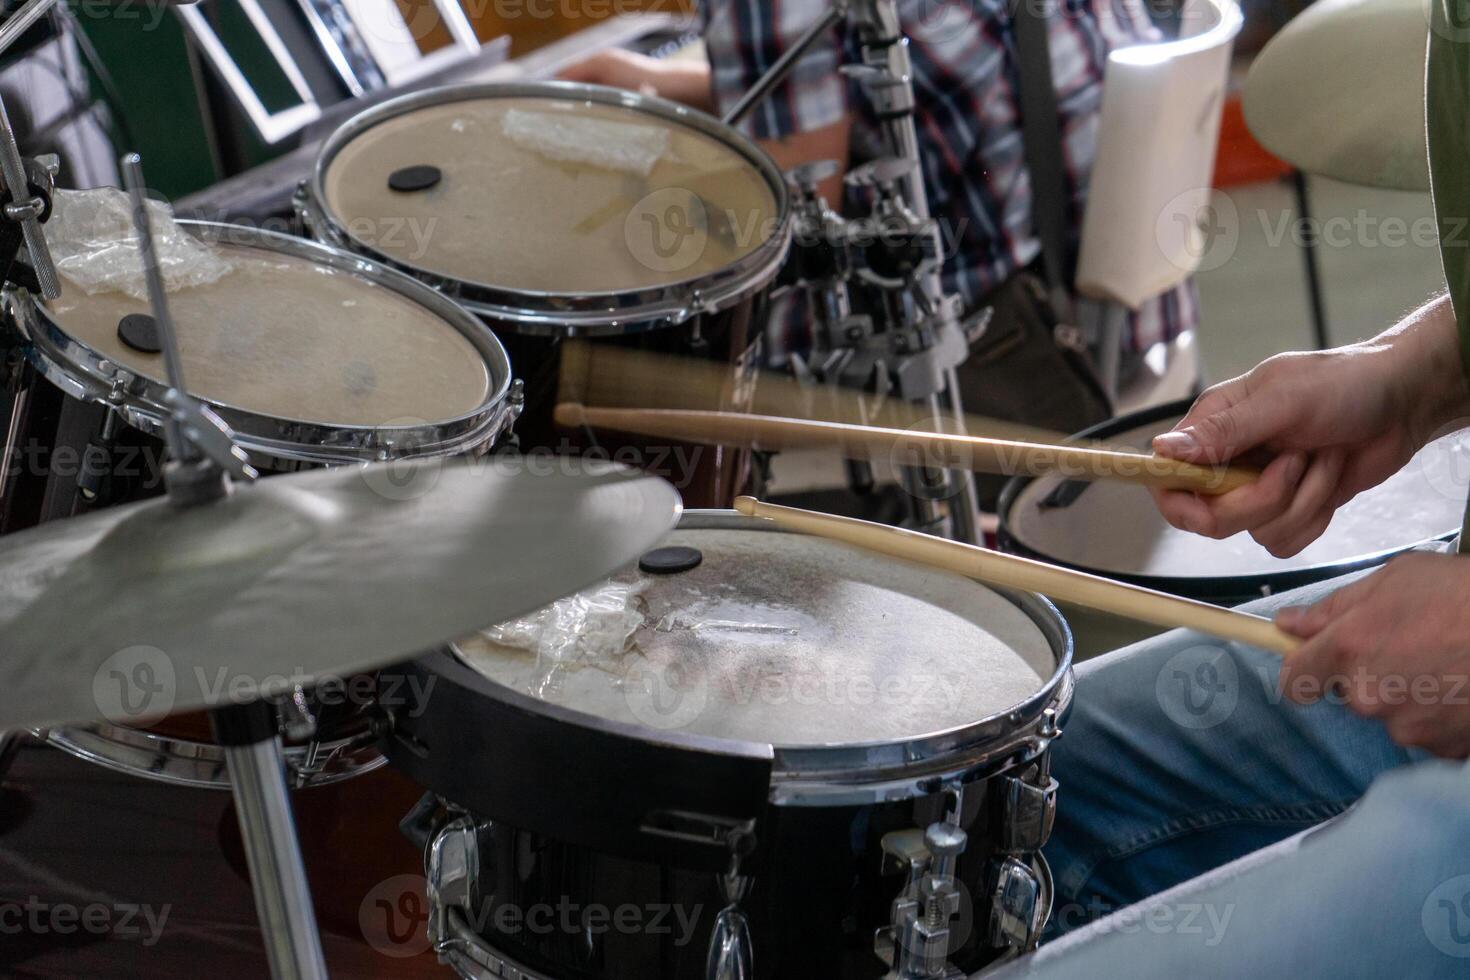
{"x":285,"y":337}
{"x":795,"y":641}
{"x":1115,"y":529}
{"x":550,"y":195}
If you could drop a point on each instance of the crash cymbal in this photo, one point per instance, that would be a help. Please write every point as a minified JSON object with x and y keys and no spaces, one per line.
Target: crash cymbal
{"x":1340,"y":92}
{"x":139,"y":611}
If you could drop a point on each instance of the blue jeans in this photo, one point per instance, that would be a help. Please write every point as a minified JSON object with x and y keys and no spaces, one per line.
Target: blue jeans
{"x":1208,"y":828}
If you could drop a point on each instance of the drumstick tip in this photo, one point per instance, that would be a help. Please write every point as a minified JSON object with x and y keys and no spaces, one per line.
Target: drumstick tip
{"x":746,"y":506}
{"x":571,"y":415}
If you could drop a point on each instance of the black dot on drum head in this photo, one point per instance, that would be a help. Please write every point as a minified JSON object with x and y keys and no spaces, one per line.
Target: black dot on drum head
{"x":140,"y":332}
{"x":671,"y":561}
{"x":410,"y":180}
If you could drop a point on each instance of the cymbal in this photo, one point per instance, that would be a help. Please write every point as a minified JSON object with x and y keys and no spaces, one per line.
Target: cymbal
{"x":136,"y":612}
{"x":1340,"y":92}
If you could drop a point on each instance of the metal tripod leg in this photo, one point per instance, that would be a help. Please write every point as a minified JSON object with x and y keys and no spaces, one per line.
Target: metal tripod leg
{"x":277,"y":875}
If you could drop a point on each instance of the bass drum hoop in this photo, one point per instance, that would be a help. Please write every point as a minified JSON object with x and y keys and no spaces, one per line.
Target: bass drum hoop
{"x":202,"y":765}
{"x":536,"y":313}
{"x":1228,"y":589}
{"x":857,"y":773}
{"x":84,"y":374}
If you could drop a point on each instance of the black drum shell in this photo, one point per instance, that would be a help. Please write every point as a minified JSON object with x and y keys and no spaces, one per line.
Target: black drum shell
{"x":813,"y":906}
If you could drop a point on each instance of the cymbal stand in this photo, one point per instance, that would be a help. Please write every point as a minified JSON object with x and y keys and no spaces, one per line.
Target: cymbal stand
{"x":914,"y":342}
{"x":205,"y":461}
{"x":28,"y":184}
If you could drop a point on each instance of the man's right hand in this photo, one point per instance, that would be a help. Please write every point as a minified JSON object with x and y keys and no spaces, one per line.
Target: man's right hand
{"x":1325,"y":426}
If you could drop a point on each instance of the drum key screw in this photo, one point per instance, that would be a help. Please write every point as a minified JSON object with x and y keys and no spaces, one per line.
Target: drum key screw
{"x":1049,"y":727}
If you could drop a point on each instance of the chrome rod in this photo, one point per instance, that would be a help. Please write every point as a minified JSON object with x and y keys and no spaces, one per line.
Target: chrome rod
{"x":13,"y":169}
{"x":132,"y":167}
{"x":22,"y":20}
{"x":784,"y":65}
{"x":277,"y":874}
{"x":885,"y":48}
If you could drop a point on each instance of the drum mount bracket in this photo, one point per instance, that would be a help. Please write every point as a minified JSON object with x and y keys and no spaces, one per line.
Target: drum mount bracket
{"x":917,"y":945}
{"x":914,"y":341}
{"x":41,"y":180}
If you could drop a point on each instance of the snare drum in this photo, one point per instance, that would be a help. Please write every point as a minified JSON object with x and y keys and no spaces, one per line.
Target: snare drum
{"x":559,"y":211}
{"x":313,"y":356}
{"x":1115,"y":530}
{"x":747,"y":745}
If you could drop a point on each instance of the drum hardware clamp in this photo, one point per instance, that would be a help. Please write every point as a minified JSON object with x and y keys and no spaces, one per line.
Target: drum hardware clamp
{"x":919,"y":352}
{"x":916,"y":946}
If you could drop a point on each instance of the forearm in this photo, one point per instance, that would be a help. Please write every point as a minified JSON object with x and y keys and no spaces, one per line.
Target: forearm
{"x":684,"y":81}
{"x":1428,"y":373}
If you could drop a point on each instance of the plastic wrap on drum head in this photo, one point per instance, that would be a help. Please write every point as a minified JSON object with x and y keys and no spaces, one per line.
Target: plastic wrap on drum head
{"x":588,"y":629}
{"x":606,"y":143}
{"x":95,"y":245}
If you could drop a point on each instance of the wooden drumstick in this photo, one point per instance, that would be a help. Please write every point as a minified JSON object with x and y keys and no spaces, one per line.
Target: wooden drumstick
{"x":1008,"y":571}
{"x":912,"y":447}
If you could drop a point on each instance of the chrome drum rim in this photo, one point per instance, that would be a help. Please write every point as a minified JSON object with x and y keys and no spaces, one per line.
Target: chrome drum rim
{"x":571,"y":314}
{"x":202,"y":765}
{"x":87,"y":375}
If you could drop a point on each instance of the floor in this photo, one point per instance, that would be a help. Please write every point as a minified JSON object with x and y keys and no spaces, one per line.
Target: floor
{"x":1378,"y":255}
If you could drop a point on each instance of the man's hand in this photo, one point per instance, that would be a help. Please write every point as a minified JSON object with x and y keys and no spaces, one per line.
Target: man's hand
{"x":682,"y":81}
{"x":1324,"y":427}
{"x":1396,"y":647}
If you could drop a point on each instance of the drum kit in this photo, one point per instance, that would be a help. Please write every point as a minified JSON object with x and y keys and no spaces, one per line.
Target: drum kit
{"x":343,"y":490}
{"x":347,"y":497}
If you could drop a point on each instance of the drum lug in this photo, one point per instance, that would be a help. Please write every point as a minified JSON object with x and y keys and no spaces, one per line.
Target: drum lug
{"x":451,"y":867}
{"x":1029,"y":812}
{"x":1020,"y":903}
{"x":730,"y":954}
{"x":97,"y":460}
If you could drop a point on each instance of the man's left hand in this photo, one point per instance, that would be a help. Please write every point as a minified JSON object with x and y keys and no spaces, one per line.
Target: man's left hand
{"x":1396,"y":647}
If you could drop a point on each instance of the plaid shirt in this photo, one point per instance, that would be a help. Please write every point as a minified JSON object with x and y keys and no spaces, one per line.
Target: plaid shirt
{"x":968,"y":119}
